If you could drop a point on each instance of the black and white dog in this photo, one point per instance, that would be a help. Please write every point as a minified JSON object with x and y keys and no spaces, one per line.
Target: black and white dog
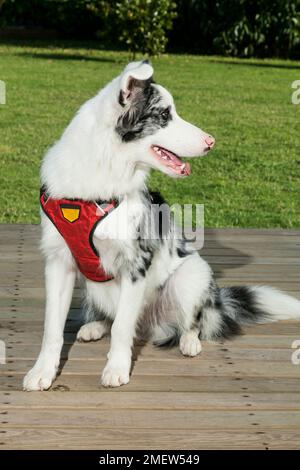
{"x":158,"y":287}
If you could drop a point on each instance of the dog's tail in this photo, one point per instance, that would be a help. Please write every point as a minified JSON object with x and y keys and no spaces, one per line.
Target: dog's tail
{"x":229,"y":308}
{"x":234,"y":307}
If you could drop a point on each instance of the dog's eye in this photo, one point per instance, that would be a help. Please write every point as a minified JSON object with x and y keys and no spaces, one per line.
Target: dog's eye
{"x":165,"y":114}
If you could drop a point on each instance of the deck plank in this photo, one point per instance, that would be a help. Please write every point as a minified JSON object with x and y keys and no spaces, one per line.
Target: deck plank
{"x":237,"y":394}
{"x":251,"y":349}
{"x":190,"y":367}
{"x":159,"y":383}
{"x":133,"y":438}
{"x":148,"y":400}
{"x":151,"y":419}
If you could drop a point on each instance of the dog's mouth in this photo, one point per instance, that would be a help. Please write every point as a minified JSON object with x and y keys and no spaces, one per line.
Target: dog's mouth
{"x":171,"y":161}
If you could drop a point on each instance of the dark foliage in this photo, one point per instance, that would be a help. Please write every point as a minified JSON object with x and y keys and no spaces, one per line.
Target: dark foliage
{"x":244,"y":28}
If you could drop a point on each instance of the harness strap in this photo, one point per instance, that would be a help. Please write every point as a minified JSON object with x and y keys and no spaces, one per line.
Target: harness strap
{"x":76,"y":220}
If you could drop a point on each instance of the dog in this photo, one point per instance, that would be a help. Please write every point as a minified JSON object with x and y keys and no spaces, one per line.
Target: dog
{"x":157,"y":287}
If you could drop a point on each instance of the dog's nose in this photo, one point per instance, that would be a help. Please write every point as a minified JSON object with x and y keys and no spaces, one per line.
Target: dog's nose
{"x":210,"y":141}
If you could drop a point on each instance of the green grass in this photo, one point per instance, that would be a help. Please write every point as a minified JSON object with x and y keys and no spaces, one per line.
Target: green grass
{"x":252,"y":177}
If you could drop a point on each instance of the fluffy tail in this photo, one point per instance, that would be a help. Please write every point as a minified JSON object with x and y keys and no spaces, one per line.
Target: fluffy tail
{"x":233,"y":307}
{"x":227,"y":309}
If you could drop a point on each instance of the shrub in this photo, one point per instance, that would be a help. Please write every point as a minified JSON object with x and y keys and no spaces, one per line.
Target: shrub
{"x":142,"y":24}
{"x":138,"y":25}
{"x":266,"y":28}
{"x":262,"y":28}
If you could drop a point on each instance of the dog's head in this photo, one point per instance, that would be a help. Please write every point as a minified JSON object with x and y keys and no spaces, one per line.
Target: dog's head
{"x":149,"y":126}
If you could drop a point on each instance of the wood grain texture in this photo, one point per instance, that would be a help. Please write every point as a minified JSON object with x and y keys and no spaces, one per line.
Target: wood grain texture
{"x":242,"y":394}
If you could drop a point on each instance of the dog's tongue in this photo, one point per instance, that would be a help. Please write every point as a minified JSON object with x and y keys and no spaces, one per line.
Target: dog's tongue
{"x":178,"y":165}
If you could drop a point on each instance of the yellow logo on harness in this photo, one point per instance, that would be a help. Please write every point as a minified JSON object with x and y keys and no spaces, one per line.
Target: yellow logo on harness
{"x":70,"y":213}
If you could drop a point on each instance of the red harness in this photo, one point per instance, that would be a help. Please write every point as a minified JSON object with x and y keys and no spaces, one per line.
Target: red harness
{"x":76,"y":221}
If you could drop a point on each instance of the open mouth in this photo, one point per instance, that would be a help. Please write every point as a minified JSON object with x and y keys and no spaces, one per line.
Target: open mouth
{"x":171,"y":161}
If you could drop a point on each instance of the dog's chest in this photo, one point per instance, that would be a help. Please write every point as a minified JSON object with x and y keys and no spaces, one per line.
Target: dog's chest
{"x":115,"y":238}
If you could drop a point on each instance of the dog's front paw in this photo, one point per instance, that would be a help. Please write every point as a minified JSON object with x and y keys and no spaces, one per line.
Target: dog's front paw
{"x":115,"y":375}
{"x":39,"y":378}
{"x":190,"y":344}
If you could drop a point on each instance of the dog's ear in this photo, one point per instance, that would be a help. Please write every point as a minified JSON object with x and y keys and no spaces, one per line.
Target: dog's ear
{"x":136,"y":76}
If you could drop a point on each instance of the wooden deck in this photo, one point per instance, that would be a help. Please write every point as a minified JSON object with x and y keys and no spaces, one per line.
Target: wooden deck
{"x":239,"y":394}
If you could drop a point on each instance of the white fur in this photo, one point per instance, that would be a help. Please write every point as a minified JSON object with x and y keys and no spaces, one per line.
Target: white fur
{"x":92,"y":331}
{"x":278,"y":305}
{"x":60,"y":275}
{"x":190,"y":344}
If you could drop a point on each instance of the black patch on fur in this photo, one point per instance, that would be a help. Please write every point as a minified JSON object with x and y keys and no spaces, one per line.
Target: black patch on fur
{"x":147,"y":262}
{"x":143,"y":261}
{"x":239,"y":300}
{"x":170,"y":342}
{"x":155,"y":197}
{"x":199,"y":314}
{"x":162,"y":228}
{"x":212,"y":300}
{"x":142,"y":272}
{"x":229,"y":328}
{"x":91,"y":312}
{"x":144,"y":116}
{"x":182,"y":251}
{"x":146,"y":248}
{"x":248,"y":310}
{"x":158,"y":206}
{"x":121,"y":99}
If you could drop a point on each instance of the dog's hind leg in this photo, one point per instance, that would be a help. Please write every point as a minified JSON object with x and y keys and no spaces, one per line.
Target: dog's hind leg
{"x":60,"y":278}
{"x":98,"y":300}
{"x":184,"y":294}
{"x":190,"y":344}
{"x":92,"y":331}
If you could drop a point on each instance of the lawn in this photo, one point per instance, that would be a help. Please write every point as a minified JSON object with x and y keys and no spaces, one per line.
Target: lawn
{"x":252,"y":177}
